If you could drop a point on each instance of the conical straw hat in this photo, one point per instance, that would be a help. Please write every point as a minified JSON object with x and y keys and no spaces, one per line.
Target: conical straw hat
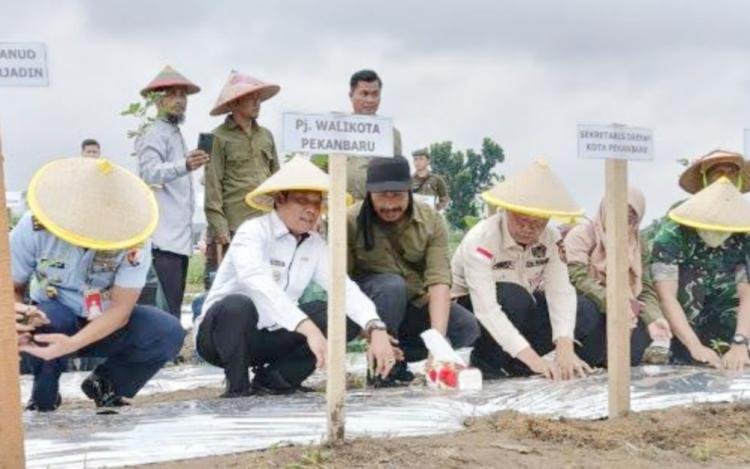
{"x":537,"y":191}
{"x":296,"y":175}
{"x":691,"y":180}
{"x":93,"y":203}
{"x":718,"y":207}
{"x":239,"y":85}
{"x":169,"y":78}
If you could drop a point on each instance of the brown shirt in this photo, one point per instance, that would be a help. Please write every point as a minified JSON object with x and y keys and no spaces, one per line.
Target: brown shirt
{"x":415,"y":248}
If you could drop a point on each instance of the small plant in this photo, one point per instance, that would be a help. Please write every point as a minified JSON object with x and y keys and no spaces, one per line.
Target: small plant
{"x":721,"y":347}
{"x":314,"y":458}
{"x":700,"y":453}
{"x":141,"y":110}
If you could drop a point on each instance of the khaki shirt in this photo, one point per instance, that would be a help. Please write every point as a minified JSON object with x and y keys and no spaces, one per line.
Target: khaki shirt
{"x":432,"y":188}
{"x":240,"y":162}
{"x":356,"y":169}
{"x":489,"y":255}
{"x":420,"y":255}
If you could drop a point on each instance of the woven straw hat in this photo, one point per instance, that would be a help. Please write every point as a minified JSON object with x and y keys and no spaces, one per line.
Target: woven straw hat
{"x":169,"y":78}
{"x":239,"y":85}
{"x":296,"y":175}
{"x":93,"y":203}
{"x":692,"y":180}
{"x":718,"y":207}
{"x":537,"y":191}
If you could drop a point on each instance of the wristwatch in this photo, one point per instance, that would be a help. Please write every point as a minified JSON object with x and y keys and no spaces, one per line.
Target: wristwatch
{"x":374,"y":325}
{"x":740,"y":339}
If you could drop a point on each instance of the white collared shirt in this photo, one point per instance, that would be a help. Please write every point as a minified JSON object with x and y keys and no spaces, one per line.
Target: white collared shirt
{"x":266,"y":263}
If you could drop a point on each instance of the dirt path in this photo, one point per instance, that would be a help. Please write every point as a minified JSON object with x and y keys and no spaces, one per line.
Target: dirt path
{"x":701,"y":436}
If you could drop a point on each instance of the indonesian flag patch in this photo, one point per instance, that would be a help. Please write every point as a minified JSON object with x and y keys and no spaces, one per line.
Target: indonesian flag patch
{"x":483,"y":253}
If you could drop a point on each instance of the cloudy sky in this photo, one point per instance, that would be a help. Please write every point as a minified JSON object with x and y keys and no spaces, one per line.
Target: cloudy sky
{"x":523,"y":73}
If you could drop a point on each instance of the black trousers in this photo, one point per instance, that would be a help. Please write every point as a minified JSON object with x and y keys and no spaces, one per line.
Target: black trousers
{"x":171,"y":268}
{"x":406,"y":321}
{"x":639,"y":342}
{"x":530,"y":315}
{"x":229,"y":338}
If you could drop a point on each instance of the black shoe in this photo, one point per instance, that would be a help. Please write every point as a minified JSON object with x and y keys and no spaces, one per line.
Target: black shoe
{"x":99,"y":389}
{"x":269,"y":381}
{"x":488,"y":371}
{"x":398,"y":376}
{"x":32,"y":405}
{"x":233,"y":394}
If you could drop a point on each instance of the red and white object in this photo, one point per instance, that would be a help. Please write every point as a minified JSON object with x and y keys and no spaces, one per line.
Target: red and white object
{"x":447,"y":369}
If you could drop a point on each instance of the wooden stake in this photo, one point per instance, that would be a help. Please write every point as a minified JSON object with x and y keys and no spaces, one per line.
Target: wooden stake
{"x":11,"y":427}
{"x":336,"y":385}
{"x":618,"y":287}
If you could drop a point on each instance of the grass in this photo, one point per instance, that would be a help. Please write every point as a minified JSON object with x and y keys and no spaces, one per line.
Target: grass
{"x":196,"y":267}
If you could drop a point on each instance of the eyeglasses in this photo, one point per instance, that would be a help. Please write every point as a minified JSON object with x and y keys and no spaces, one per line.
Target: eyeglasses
{"x":307,"y":201}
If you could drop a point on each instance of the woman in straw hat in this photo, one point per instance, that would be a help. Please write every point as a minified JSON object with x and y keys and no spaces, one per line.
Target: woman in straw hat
{"x":700,"y":268}
{"x":510,"y":270}
{"x":251,"y":317}
{"x":243,"y":156}
{"x":85,"y":244}
{"x":587,"y":265}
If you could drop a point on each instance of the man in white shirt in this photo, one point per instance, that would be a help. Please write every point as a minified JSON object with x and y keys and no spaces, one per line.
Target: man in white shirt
{"x":251,"y":317}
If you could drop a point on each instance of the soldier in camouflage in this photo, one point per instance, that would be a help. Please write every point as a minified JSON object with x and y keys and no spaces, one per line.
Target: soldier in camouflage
{"x":700,"y":267}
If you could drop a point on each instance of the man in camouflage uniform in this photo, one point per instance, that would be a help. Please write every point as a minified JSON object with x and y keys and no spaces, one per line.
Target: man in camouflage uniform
{"x":704,"y":170}
{"x":701,"y":276}
{"x":365,"y":87}
{"x":243,"y":156}
{"x":426,"y":185}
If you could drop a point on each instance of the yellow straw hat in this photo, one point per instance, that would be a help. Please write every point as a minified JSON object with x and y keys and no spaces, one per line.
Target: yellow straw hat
{"x":692,"y":179}
{"x":537,"y":191}
{"x":296,"y":175}
{"x":718,"y":207}
{"x":93,"y":203}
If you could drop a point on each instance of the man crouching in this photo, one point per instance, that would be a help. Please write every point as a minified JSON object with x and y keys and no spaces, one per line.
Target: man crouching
{"x":251,"y":317}
{"x":82,"y":255}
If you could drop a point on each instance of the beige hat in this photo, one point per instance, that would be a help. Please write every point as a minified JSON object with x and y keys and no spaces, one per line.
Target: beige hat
{"x":536,"y":191}
{"x":170,"y":78}
{"x":239,"y":85}
{"x":296,"y":175}
{"x":692,"y":179}
{"x":718,"y":207}
{"x":93,"y":203}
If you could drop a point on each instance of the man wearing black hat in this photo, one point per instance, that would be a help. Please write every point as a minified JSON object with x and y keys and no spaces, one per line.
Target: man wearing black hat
{"x":399,"y":256}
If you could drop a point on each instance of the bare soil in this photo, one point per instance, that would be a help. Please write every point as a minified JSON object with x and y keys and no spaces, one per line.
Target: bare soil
{"x":698,"y":436}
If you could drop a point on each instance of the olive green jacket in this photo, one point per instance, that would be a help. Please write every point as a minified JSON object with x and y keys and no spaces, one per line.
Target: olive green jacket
{"x":240,"y":162}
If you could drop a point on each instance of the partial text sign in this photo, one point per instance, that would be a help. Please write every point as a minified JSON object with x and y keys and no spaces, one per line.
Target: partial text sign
{"x":338,"y":133}
{"x":23,"y":64}
{"x":615,"y":142}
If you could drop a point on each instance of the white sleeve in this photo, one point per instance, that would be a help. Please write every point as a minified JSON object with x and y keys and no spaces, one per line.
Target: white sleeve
{"x":249,"y":256}
{"x":359,"y":307}
{"x":562,"y":300}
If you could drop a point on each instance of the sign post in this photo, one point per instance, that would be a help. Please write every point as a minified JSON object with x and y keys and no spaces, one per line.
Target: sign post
{"x":617,"y":144}
{"x":11,"y":428}
{"x":339,"y":135}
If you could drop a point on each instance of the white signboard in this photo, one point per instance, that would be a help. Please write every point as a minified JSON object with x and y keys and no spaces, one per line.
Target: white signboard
{"x":615,"y":142}
{"x":23,"y":64}
{"x":338,"y":133}
{"x":747,"y":143}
